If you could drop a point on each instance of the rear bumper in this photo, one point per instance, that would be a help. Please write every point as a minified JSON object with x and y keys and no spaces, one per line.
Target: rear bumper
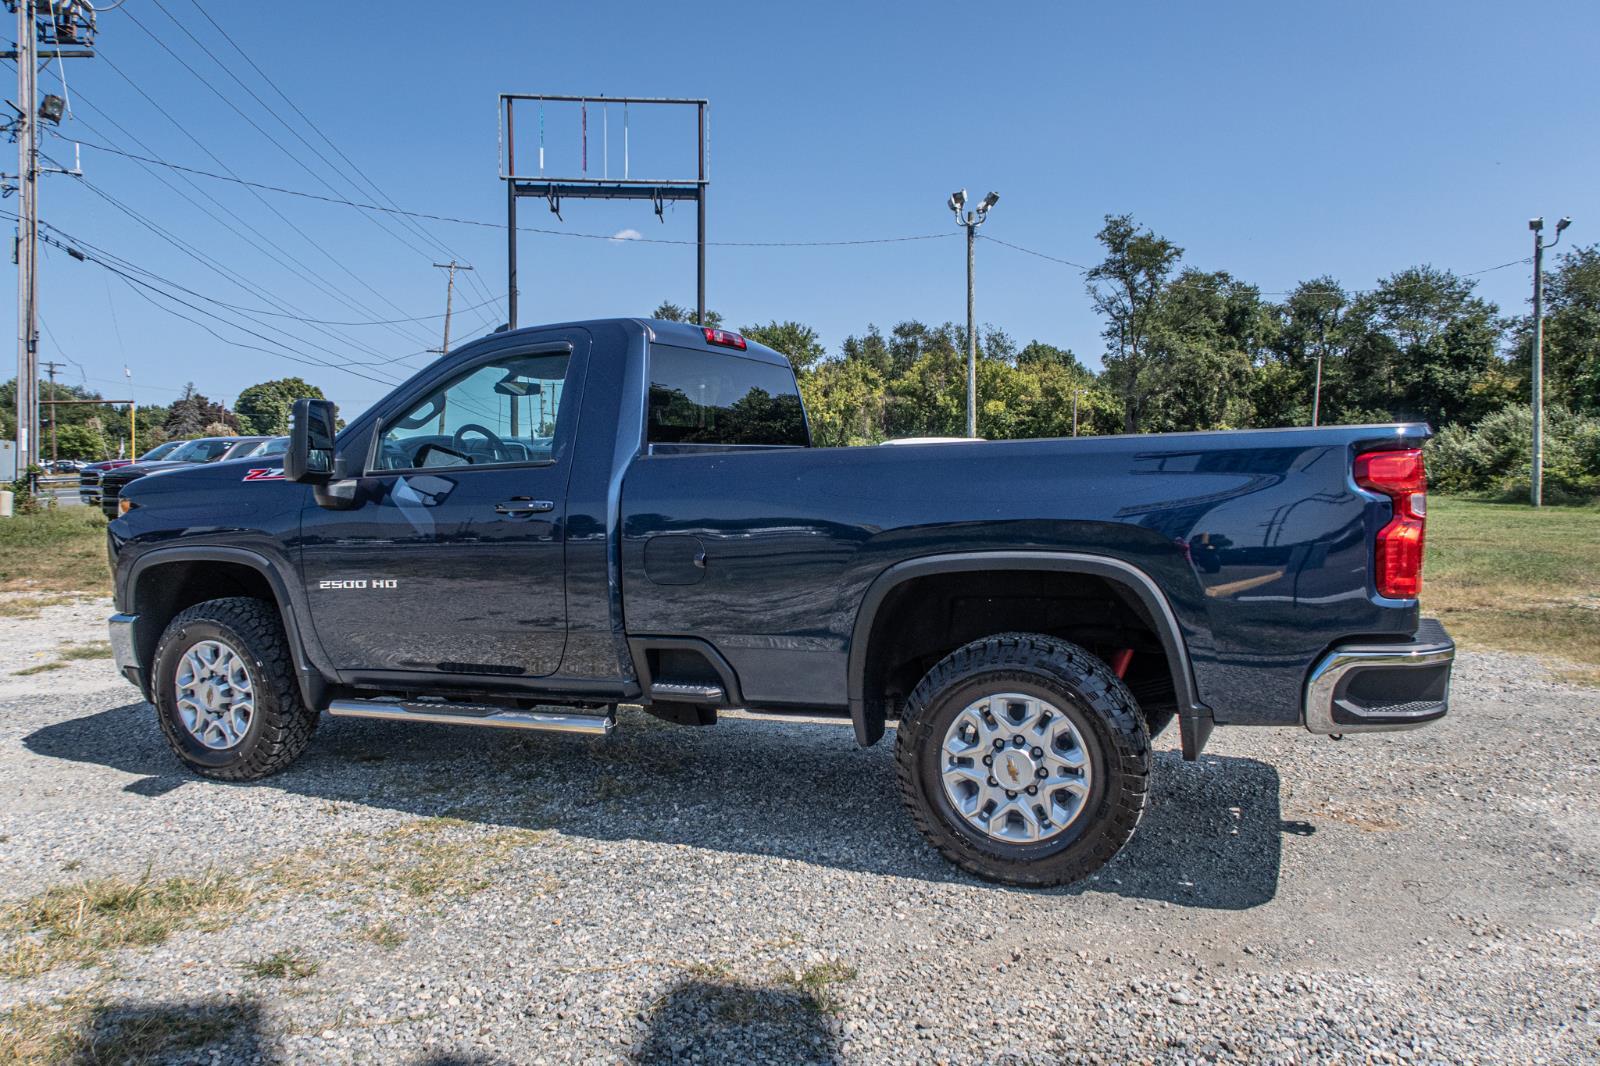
{"x":1364,"y":688}
{"x":123,"y":648}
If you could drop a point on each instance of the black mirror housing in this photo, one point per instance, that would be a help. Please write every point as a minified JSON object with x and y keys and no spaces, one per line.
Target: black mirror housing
{"x":309,"y":458}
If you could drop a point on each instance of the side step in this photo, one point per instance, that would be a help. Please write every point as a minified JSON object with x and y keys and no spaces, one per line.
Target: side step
{"x":680,"y":692}
{"x":481,"y":714}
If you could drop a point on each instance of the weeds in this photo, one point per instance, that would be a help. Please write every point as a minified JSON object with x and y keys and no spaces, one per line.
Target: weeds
{"x":83,"y":923}
{"x":282,"y":966}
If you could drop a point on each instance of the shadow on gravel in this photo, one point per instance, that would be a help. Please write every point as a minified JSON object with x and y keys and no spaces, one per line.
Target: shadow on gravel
{"x":1212,"y":837}
{"x":166,"y":1032}
{"x":712,"y":1021}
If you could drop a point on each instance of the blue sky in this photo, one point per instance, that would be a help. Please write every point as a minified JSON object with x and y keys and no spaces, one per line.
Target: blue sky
{"x":1278,"y":141}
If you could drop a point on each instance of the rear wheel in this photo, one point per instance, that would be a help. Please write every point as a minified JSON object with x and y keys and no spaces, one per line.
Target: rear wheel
{"x":226,"y":693}
{"x":1024,"y":759}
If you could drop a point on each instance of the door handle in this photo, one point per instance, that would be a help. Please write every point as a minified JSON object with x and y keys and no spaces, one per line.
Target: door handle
{"x":524,"y":505}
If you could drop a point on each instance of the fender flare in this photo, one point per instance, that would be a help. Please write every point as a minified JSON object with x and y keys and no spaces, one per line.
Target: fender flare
{"x":313,"y":682}
{"x":1195,"y":721}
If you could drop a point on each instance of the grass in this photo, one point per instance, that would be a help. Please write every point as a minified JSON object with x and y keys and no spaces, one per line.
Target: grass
{"x":84,"y":1030}
{"x":816,"y":984}
{"x":386,"y":935}
{"x":282,"y":966}
{"x":85,"y":922}
{"x":94,"y":650}
{"x":63,"y":550}
{"x":68,"y":653}
{"x":1506,"y":576}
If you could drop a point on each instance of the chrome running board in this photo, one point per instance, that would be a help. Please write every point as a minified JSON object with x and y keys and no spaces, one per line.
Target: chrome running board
{"x":480,"y":714}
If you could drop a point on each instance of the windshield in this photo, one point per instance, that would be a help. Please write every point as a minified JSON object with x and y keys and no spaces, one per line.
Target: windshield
{"x":202,"y":451}
{"x":161,"y":451}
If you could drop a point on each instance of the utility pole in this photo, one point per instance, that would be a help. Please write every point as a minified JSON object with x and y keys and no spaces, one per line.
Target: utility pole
{"x":1075,"y":394}
{"x":1322,"y":350}
{"x":1536,"y":489}
{"x":449,"y":294}
{"x":972,"y":220}
{"x":64,"y":22}
{"x":52,"y":367}
{"x":27,"y":246}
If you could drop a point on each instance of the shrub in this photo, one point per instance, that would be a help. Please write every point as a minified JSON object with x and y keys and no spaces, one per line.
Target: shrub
{"x":1493,"y":458}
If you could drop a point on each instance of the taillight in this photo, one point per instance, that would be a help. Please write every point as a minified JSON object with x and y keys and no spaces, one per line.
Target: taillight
{"x":1397,"y":559}
{"x":724,"y":337}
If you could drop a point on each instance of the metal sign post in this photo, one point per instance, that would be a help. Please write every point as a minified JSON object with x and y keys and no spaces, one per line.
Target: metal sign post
{"x":531,"y":179}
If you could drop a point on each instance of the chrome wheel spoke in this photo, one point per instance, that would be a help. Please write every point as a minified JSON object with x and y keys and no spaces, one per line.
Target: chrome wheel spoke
{"x":998,"y":747}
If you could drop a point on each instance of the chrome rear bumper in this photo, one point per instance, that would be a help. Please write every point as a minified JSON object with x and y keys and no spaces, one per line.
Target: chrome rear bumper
{"x":1365,"y":688}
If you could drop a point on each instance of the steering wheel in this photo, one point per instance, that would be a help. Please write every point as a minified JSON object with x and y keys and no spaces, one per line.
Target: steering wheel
{"x":497,"y":446}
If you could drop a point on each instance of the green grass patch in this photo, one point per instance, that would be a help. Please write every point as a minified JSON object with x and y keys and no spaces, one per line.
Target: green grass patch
{"x":282,"y":966}
{"x":816,"y":984}
{"x":40,"y":668}
{"x":63,"y":550}
{"x":1506,"y":576}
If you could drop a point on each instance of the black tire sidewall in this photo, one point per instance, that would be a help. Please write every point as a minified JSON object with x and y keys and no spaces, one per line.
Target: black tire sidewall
{"x":173,"y":645}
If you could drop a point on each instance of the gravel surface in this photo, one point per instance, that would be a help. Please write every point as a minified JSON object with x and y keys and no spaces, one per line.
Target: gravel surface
{"x":753,"y":892}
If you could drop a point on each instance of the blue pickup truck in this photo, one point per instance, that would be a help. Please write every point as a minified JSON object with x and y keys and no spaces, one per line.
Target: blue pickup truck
{"x":551,"y":521}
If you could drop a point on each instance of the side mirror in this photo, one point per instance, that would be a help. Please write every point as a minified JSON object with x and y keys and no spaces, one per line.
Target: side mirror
{"x":309,"y":458}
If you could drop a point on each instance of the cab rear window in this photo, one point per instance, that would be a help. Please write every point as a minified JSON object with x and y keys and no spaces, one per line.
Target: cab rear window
{"x":720,"y":398}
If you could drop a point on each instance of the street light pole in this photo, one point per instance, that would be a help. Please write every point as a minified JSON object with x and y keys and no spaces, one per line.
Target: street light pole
{"x":971,"y":220}
{"x":1536,"y":487}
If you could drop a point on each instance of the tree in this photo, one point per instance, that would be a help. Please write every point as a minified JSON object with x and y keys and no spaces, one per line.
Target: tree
{"x":671,"y":312}
{"x":1571,"y":334}
{"x":81,"y":442}
{"x":263,"y":409}
{"x":1422,"y":347}
{"x":191,"y":413}
{"x":1126,"y":287}
{"x":799,"y":342}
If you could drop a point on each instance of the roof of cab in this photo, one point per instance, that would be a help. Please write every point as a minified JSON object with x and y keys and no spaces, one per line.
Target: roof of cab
{"x":681,"y":333}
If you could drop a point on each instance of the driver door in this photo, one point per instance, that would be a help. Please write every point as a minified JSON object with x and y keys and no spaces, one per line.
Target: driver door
{"x":453,"y":561}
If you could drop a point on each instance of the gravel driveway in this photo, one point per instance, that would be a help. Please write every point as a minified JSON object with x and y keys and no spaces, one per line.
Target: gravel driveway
{"x":753,"y":892}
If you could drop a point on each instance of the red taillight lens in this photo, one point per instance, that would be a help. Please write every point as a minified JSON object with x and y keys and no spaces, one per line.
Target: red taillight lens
{"x":1397,"y":557}
{"x":724,"y":337}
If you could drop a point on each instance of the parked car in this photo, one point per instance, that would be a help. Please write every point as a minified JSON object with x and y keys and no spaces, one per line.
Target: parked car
{"x":628,"y":511}
{"x":202,"y":450}
{"x":272,"y":446}
{"x":89,"y":473}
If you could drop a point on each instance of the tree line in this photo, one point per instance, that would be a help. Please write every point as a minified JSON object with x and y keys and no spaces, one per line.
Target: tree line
{"x":1187,"y":348}
{"x":93,"y":431}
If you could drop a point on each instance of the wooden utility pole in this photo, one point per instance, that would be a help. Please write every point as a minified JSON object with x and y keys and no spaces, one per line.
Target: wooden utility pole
{"x":27,"y":247}
{"x":52,"y":367}
{"x":449,"y":294}
{"x":65,"y":27}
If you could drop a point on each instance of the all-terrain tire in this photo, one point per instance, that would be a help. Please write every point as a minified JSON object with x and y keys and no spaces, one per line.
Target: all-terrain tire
{"x":280,"y":724}
{"x":1096,"y":702}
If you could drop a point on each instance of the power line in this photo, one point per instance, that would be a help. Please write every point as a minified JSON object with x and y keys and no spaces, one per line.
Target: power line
{"x":265,"y":244}
{"x":129,"y":273}
{"x":335,"y":260}
{"x":373,"y":185}
{"x":266,"y":187}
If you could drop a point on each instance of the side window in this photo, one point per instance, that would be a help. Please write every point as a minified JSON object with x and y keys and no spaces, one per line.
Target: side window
{"x":499,"y":412}
{"x":711,"y":398}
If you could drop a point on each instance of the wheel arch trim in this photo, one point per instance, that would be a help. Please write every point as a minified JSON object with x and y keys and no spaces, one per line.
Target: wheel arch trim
{"x":1194,"y":717}
{"x":313,"y":682}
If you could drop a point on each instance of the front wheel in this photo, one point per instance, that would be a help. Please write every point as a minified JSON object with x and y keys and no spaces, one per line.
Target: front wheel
{"x":1024,"y":760}
{"x":226,"y":693}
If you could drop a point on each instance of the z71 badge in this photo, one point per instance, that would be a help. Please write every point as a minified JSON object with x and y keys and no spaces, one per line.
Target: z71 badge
{"x":265,"y":473}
